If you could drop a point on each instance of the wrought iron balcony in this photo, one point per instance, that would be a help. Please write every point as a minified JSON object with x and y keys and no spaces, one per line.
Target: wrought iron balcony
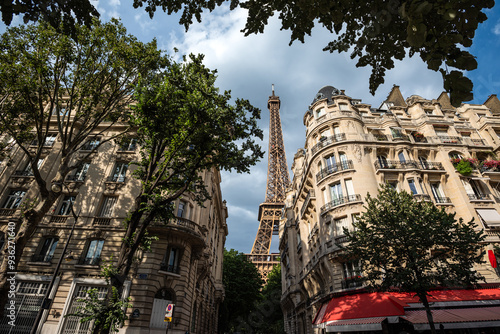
{"x":75,"y":178}
{"x":340,"y":201}
{"x":7,"y":212}
{"x":90,"y":261}
{"x":400,"y":137}
{"x":326,"y":141}
{"x":117,"y":178}
{"x":479,"y":197}
{"x":170,"y":268}
{"x":324,"y":172}
{"x":448,"y":139}
{"x":352,"y":282}
{"x":442,"y":200}
{"x":23,"y":173}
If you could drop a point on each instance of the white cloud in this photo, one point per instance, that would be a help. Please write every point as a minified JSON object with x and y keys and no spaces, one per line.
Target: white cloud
{"x":496,"y":29}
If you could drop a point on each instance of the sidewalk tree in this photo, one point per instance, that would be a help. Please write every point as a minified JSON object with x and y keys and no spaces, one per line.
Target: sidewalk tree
{"x":242,"y":284}
{"x":413,"y":246}
{"x":185,"y":126}
{"x":57,"y":94}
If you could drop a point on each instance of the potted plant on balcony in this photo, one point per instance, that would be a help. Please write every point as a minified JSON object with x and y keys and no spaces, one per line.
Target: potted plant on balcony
{"x":491,"y":165}
{"x":418,"y":136}
{"x":464,"y":166}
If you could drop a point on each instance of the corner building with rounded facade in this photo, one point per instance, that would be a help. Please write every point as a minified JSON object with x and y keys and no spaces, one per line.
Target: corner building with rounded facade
{"x":351,"y":148}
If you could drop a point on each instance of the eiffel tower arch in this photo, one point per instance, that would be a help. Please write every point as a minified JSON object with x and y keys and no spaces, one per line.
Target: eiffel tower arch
{"x":277,"y":182}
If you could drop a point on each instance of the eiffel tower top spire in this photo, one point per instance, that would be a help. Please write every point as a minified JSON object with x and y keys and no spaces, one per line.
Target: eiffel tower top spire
{"x":277,"y":169}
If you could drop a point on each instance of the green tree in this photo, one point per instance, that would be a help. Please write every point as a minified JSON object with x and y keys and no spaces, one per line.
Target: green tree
{"x":375,"y":32}
{"x":184,"y":127}
{"x":411,"y":245}
{"x":242,"y":284}
{"x":268,"y":310}
{"x":53,"y":86}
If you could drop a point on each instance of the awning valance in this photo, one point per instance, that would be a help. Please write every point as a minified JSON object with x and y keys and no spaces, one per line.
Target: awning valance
{"x":490,"y":216}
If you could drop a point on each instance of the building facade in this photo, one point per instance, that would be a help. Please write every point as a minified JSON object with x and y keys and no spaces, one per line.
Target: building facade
{"x":350,"y":148}
{"x":184,"y":266}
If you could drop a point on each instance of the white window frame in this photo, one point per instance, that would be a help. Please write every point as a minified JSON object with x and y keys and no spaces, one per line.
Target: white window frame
{"x":107,"y":206}
{"x":14,"y":199}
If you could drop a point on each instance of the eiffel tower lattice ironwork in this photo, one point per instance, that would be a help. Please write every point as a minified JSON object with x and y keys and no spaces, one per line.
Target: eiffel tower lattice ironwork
{"x":277,"y":181}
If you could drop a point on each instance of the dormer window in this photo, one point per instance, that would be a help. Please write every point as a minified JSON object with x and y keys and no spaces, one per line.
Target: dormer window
{"x":320,"y":112}
{"x":343,"y":107}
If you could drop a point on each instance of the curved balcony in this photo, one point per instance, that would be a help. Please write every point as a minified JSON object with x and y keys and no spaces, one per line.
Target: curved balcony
{"x":182,"y":225}
{"x":393,"y":164}
{"x":340,"y":201}
{"x":324,"y":172}
{"x":327,"y":141}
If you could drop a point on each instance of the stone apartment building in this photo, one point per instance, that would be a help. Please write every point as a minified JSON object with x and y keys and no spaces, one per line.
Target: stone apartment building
{"x":350,"y":148}
{"x":184,"y":266}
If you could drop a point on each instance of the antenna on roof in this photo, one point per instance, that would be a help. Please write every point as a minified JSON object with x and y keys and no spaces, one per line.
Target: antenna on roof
{"x":273,"y":89}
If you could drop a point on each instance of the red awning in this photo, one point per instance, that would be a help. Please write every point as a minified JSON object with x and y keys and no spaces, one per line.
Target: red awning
{"x":387,"y":304}
{"x":355,"y":325}
{"x":361,"y":305}
{"x":454,"y":318}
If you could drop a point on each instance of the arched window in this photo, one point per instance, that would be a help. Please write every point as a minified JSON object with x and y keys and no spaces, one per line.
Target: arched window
{"x":455,"y":155}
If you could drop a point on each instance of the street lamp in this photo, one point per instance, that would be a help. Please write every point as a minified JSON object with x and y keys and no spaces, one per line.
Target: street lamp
{"x":46,"y":303}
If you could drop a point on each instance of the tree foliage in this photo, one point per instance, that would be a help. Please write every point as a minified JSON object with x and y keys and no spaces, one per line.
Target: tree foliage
{"x":76,"y":90}
{"x":63,"y":15}
{"x":413,"y":246}
{"x":242,"y":284}
{"x":268,"y":316}
{"x":185,"y":127}
{"x":376,"y":33}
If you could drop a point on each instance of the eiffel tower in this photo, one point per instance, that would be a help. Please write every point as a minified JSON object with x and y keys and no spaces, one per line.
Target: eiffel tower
{"x":277,"y":181}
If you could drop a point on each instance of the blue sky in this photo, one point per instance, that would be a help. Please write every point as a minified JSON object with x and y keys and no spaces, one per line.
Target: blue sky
{"x":248,"y":66}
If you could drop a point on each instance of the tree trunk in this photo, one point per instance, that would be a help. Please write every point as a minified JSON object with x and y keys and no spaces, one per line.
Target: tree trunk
{"x":430,"y":319}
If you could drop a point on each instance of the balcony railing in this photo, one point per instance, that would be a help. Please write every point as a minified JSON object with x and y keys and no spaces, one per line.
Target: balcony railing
{"x":41,"y":258}
{"x":58,"y":219}
{"x":340,"y":201}
{"x":90,"y":261}
{"x":324,"y":172}
{"x":448,"y":139}
{"x":181,"y":222}
{"x":422,"y":197}
{"x":400,"y":137}
{"x":102,"y":221}
{"x":479,"y":197}
{"x":328,"y":141}
{"x":393,"y":164}
{"x":170,"y":268}
{"x":117,"y":178}
{"x":7,"y":212}
{"x":442,"y":200}
{"x":352,"y":282}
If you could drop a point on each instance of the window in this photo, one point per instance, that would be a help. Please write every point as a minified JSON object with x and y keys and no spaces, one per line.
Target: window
{"x":423,"y":162}
{"x":92,"y":255}
{"x":396,"y":133}
{"x":349,"y":188}
{"x":393,"y":185}
{"x":382,"y":161}
{"x":91,"y":144}
{"x":330,"y":163}
{"x":62,"y":111}
{"x":401,"y":157}
{"x":171,"y":260}
{"x":455,"y":155}
{"x":80,"y":172}
{"x":352,"y":273}
{"x":72,"y":324}
{"x":324,"y":134}
{"x":474,"y":190}
{"x":343,"y":106}
{"x":14,"y":199}
{"x":437,"y":192}
{"x":413,"y":187}
{"x":107,"y":207}
{"x":320,"y":112}
{"x":429,"y":111}
{"x":65,"y":209}
{"x":47,"y":250}
{"x":50,"y":139}
{"x":340,"y":224}
{"x":343,"y":161}
{"x":181,"y":209}
{"x":442,"y":132}
{"x":28,"y":171}
{"x":119,"y":172}
{"x":128,"y":144}
{"x":336,"y":192}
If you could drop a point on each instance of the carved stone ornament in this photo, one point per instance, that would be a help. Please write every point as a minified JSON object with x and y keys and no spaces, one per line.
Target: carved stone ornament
{"x":112,"y":187}
{"x":357,"y":152}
